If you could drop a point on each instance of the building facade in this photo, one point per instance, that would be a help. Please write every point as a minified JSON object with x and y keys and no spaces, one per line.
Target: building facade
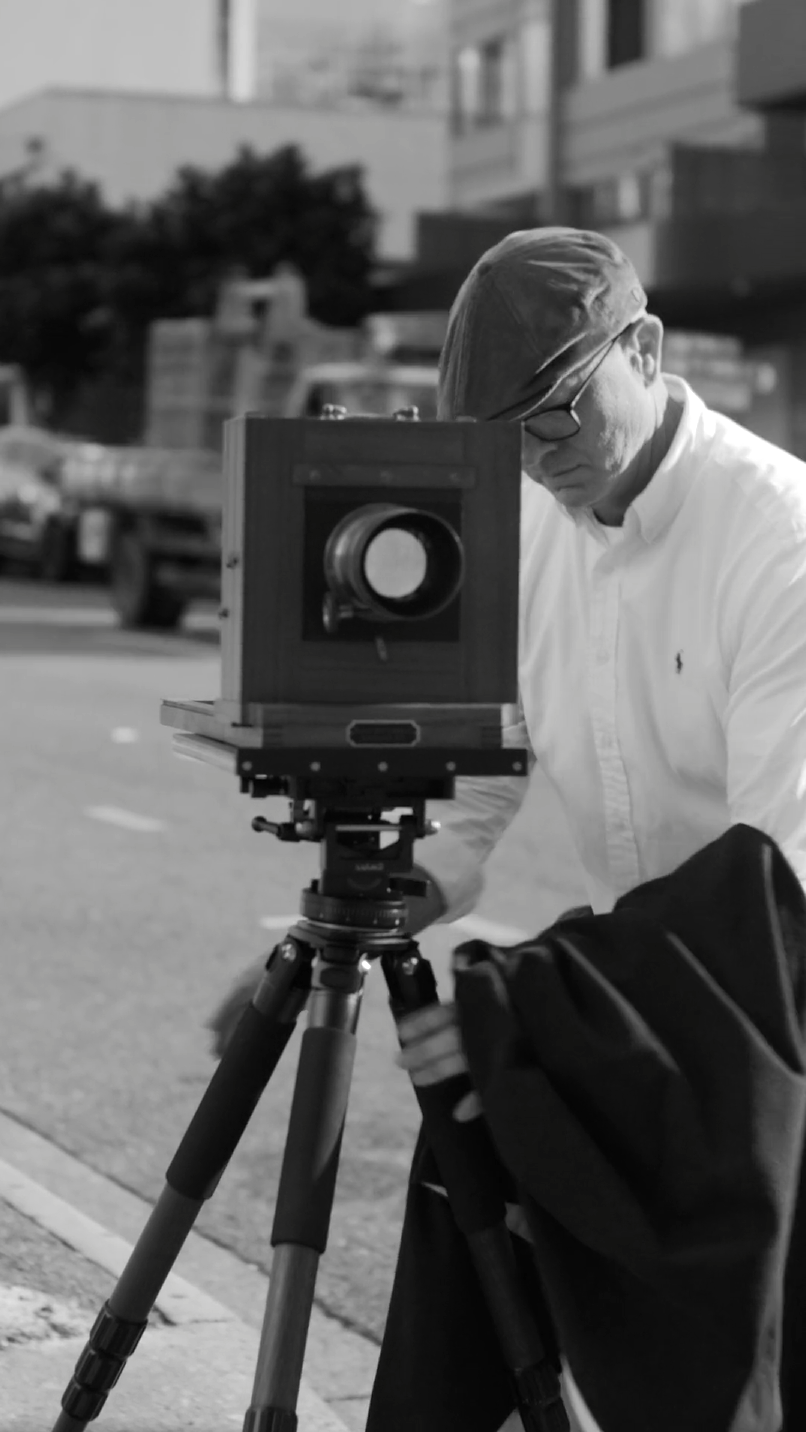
{"x":677,"y":126}
{"x":132,"y":145}
{"x":385,"y":54}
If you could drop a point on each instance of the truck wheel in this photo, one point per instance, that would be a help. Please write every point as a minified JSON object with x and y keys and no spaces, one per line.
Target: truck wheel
{"x":138,"y":599}
{"x":57,"y":553}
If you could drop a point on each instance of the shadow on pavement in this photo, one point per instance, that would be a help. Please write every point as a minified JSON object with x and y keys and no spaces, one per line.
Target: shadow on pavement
{"x":76,"y":620}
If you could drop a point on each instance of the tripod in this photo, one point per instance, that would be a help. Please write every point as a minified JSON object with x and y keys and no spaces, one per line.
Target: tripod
{"x":354,"y":913}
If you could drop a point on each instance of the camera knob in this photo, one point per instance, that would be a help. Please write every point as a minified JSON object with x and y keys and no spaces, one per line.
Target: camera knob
{"x":409,"y":885}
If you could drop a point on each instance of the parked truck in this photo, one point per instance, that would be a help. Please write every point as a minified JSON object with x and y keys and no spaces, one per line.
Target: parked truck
{"x":152,"y":515}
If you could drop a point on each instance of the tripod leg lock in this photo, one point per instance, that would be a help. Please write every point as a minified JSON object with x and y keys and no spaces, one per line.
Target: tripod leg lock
{"x":540,"y":1399}
{"x":270,"y":1419}
{"x":111,"y":1342}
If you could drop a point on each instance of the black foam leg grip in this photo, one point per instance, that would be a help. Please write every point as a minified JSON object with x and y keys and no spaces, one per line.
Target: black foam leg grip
{"x":228,"y":1104}
{"x":311,"y":1162}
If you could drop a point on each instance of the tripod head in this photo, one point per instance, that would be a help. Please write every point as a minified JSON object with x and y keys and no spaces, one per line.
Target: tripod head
{"x":365,"y":814}
{"x":364,"y":807}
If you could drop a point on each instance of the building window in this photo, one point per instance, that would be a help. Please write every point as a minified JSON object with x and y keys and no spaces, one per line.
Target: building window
{"x":626,"y":32}
{"x":492,"y":81}
{"x":484,"y":84}
{"x":681,"y":25}
{"x":465,"y":75}
{"x":619,"y":199}
{"x":612,"y":33}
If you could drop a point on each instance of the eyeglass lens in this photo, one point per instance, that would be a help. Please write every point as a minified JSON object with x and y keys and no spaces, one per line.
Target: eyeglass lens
{"x":552,"y":425}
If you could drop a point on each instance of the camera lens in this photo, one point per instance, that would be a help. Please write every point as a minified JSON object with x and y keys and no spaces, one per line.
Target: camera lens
{"x":387,"y":563}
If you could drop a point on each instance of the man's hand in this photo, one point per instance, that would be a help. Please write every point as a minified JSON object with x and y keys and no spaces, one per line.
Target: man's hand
{"x":432,"y":1051}
{"x":224,"y":1018}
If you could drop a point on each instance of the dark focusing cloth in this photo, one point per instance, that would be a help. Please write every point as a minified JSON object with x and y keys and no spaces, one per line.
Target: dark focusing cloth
{"x":642,"y":1075}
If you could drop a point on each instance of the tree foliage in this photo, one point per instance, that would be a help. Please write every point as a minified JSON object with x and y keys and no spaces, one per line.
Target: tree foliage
{"x":80,"y":282}
{"x":53,"y":243}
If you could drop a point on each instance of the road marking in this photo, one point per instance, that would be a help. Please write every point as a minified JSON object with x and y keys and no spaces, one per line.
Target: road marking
{"x":125,"y":735}
{"x":178,"y":1300}
{"x":56,"y":616}
{"x":126,"y":819}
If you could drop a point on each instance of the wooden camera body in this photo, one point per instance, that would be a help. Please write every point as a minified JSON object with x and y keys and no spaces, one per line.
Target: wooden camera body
{"x":437,"y":680}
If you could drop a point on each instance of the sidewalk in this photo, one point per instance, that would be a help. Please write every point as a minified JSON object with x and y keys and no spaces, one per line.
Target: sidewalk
{"x":65,"y":1235}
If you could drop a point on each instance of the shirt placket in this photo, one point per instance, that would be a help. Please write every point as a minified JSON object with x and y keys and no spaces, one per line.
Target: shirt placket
{"x":622,"y":849}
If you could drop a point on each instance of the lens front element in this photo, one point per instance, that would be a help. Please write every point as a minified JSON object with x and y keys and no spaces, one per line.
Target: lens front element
{"x":389,"y":563}
{"x":395,"y":563}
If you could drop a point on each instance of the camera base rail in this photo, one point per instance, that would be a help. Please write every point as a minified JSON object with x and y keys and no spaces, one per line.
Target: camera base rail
{"x":335,"y":769}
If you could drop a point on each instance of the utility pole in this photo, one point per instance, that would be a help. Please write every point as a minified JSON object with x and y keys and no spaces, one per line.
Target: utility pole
{"x":223,"y":47}
{"x":562,"y":23}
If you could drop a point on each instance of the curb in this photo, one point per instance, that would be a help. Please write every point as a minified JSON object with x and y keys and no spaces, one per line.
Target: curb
{"x":178,"y":1301}
{"x":101,"y":1221}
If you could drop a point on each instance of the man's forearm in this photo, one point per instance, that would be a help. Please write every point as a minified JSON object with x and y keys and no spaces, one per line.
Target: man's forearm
{"x":470,"y":827}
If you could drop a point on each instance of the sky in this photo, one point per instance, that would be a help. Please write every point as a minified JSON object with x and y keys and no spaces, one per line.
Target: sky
{"x":155,"y":45}
{"x":115,"y":44}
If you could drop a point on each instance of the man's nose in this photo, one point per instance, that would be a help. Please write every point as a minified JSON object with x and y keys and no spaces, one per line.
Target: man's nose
{"x":534,"y":449}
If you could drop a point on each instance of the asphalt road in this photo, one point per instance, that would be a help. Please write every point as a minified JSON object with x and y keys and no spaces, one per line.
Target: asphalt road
{"x":132,"y":891}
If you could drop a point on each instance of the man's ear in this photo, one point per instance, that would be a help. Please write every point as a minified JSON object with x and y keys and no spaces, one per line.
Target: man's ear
{"x":646,"y":346}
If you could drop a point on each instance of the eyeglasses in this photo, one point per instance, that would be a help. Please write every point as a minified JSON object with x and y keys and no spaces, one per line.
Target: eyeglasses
{"x":555,"y":424}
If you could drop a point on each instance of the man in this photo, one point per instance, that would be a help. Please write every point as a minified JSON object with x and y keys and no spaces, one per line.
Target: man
{"x":663,"y":597}
{"x":663,"y":588}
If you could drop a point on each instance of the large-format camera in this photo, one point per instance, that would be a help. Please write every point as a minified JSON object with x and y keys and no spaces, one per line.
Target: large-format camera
{"x":369,"y":615}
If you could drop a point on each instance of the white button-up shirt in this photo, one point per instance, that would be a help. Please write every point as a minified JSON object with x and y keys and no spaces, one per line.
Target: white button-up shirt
{"x":662,"y":668}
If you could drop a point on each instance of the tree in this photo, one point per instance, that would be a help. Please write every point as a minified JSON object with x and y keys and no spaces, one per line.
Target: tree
{"x":80,"y":283}
{"x":254,"y":213}
{"x":52,"y":291}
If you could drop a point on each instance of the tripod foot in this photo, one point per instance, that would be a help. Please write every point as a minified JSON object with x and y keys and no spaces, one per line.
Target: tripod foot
{"x":269,"y":1419}
{"x":110,"y":1343}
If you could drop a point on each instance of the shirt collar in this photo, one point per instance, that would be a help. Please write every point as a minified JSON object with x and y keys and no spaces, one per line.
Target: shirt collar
{"x":654,"y":509}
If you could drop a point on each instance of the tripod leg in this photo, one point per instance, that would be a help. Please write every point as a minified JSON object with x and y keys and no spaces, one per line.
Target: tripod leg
{"x":305,"y":1195}
{"x":211,"y":1139}
{"x":468,"y":1165}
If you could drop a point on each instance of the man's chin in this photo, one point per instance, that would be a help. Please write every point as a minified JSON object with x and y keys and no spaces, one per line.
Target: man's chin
{"x":569,"y":494}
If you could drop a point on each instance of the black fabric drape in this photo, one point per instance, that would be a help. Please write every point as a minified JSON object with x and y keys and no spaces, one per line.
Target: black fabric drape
{"x":642,"y":1075}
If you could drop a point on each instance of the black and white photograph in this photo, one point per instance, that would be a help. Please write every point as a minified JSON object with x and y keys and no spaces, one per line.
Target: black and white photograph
{"x":403,"y":715}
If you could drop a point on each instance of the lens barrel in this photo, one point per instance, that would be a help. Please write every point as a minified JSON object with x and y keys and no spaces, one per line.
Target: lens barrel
{"x":359,"y":568}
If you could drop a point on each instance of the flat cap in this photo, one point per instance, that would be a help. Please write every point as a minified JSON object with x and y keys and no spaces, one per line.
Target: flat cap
{"x":535,"y":309}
